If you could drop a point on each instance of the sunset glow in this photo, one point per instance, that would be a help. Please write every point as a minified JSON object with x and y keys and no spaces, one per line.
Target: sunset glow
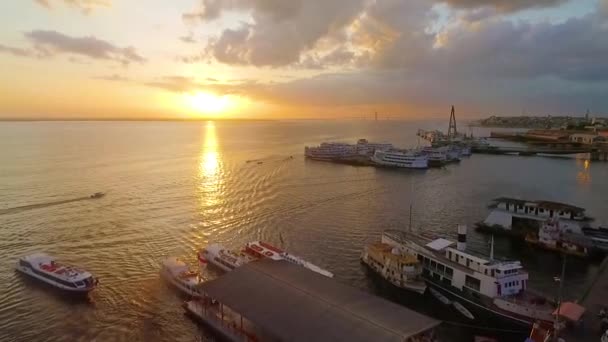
{"x":198,"y":59}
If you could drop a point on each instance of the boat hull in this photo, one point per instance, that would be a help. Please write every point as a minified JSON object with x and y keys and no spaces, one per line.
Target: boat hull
{"x":418,"y":288}
{"x":76,"y":291}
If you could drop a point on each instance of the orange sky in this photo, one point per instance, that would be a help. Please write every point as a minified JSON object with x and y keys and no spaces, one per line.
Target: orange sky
{"x":301,"y":59}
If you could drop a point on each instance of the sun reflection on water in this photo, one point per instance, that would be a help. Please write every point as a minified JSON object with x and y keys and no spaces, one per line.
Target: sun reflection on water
{"x":584,"y":175}
{"x":210,"y":165}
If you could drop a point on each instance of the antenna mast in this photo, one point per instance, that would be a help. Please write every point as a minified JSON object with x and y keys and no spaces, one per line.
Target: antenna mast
{"x":452,"y":132}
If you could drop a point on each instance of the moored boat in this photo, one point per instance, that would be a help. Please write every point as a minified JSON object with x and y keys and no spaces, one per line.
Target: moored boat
{"x":227,"y":260}
{"x":551,"y":238}
{"x":409,"y":159}
{"x":330,"y":150}
{"x":493,"y":292}
{"x":179,"y":275}
{"x":45,"y":268}
{"x":400,"y":269}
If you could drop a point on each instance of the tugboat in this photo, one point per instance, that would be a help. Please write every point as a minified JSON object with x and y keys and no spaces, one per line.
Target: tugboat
{"x":551,"y":238}
{"x":491,"y":292}
{"x":400,"y":269}
{"x":179,"y":275}
{"x":45,"y":268}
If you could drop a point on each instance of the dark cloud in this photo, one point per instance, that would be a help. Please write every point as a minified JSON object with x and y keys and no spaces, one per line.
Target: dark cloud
{"x":54,"y":43}
{"x":86,"y":6}
{"x":504,"y":5}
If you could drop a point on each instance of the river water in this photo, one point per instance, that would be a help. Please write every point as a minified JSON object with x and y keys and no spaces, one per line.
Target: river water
{"x":173,"y":187}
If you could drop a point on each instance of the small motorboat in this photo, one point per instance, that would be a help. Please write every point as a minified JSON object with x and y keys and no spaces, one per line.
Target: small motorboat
{"x":98,"y":195}
{"x":179,"y":275}
{"x":443,"y":299}
{"x":45,"y":268}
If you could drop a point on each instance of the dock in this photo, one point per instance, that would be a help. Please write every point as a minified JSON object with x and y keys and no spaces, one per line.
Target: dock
{"x":593,"y":299}
{"x":270,"y":300}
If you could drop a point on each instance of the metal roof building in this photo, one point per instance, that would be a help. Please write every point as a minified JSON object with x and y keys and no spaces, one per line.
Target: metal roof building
{"x":292,"y":303}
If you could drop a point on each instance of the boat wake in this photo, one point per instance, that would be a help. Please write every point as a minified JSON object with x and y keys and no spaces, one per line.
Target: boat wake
{"x":42,"y":205}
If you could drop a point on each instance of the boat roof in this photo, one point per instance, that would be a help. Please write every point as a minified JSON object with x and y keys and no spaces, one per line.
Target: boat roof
{"x":175,"y":264}
{"x":48,"y":264}
{"x":267,"y":291}
{"x":387,"y":250}
{"x":541,"y":204}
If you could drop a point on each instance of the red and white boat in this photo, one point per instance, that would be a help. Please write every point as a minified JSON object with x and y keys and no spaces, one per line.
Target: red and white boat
{"x":45,"y":268}
{"x":228,"y":260}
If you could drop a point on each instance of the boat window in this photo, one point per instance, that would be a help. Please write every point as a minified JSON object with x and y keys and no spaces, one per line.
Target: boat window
{"x":433,"y":264}
{"x":79,"y":284}
{"x":449,"y":272}
{"x":541,"y":210}
{"x":472,"y":283}
{"x":24,"y":263}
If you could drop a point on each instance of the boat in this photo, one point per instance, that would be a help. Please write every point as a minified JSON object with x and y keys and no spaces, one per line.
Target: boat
{"x":437,"y":156}
{"x":46,"y":269}
{"x":367,"y":148}
{"x":453,"y":153}
{"x":494,"y":292}
{"x":400,"y":269}
{"x":443,"y":299}
{"x":227,"y":260}
{"x":179,"y":275}
{"x":410,"y":159}
{"x":520,"y":218}
{"x":261,"y":249}
{"x":98,"y":195}
{"x":222,"y":258}
{"x":330,"y":150}
{"x":551,"y":238}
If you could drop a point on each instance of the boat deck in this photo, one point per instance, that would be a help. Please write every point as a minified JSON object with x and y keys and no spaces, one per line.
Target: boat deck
{"x":228,"y":324}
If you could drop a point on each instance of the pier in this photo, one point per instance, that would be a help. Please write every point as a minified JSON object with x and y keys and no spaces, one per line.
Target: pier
{"x":593,"y":299}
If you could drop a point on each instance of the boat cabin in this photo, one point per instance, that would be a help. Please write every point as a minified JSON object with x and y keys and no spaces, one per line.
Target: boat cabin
{"x":543,"y":209}
{"x":45,"y":267}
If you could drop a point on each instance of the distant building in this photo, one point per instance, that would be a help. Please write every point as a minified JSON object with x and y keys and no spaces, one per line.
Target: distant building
{"x":586,"y":138}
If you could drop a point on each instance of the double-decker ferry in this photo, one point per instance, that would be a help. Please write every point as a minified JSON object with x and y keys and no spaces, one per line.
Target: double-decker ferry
{"x":400,"y":269}
{"x":492,"y":292}
{"x":330,"y":150}
{"x":46,"y":269}
{"x":227,"y":260}
{"x":410,"y":159}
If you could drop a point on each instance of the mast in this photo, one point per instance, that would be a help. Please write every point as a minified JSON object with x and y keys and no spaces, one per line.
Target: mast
{"x":492,"y":248}
{"x":452,"y":132}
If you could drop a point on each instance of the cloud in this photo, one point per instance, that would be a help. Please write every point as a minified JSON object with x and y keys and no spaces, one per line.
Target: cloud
{"x":54,"y":43}
{"x":15,"y":51}
{"x":188,"y":38}
{"x":113,"y":77}
{"x":503,"y":5}
{"x":86,"y":6}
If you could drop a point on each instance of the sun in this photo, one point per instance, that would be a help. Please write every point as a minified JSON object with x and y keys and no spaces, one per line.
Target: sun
{"x":208,"y":103}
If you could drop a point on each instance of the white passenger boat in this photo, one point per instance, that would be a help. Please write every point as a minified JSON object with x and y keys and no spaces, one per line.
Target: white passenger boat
{"x":410,"y":159}
{"x":222,"y":258}
{"x":179,"y":275}
{"x":46,"y":269}
{"x":330,"y":150}
{"x":493,"y":292}
{"x":367,"y":148}
{"x":437,"y":156}
{"x":400,"y":269}
{"x":227,"y":260}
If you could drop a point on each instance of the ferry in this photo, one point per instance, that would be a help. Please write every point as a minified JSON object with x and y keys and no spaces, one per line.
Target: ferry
{"x":409,"y":159}
{"x":179,"y":275}
{"x":330,"y":150}
{"x":46,"y":269}
{"x":437,"y":156}
{"x":550,"y":237}
{"x":489,"y":291}
{"x":227,"y":260}
{"x":367,"y":148}
{"x":518,"y":217}
{"x":400,"y":269}
{"x":222,"y":258}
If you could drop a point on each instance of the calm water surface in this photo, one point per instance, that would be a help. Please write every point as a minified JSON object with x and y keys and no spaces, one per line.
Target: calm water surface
{"x":174,"y":187}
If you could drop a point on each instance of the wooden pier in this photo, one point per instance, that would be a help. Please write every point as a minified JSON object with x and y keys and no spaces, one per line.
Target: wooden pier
{"x":530,"y":151}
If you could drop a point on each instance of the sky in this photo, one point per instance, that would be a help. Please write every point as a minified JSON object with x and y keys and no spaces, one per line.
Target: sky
{"x":267,"y":59}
